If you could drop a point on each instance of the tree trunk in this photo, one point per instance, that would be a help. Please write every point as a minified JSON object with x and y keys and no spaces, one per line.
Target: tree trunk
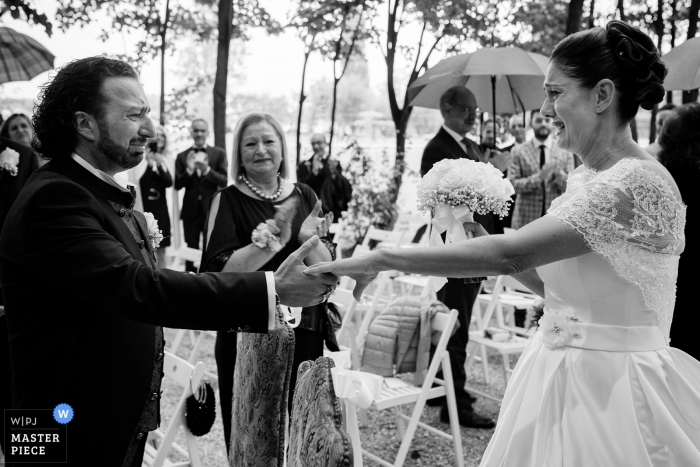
{"x":333,"y":106}
{"x":659,"y":29}
{"x":163,"y":46}
{"x":302,"y":98}
{"x":633,"y":128}
{"x":692,"y":96}
{"x":621,"y":10}
{"x":400,"y":161}
{"x":575,"y":17}
{"x":221,"y":80}
{"x":673,"y":19}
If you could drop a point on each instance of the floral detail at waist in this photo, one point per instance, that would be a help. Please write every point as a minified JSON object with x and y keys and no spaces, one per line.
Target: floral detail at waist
{"x":559,"y":327}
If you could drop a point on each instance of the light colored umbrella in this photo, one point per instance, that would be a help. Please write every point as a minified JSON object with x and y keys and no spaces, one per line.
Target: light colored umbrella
{"x":683,"y":63}
{"x":21,"y":57}
{"x":509,"y":75}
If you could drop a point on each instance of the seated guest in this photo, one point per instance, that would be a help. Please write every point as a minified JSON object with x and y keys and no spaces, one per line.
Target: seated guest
{"x":661,"y":116}
{"x":261,"y":188}
{"x":154,"y":181}
{"x":538,"y":172}
{"x":680,"y":154}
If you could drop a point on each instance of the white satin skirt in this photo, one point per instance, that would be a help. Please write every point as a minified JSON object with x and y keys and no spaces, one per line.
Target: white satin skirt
{"x":619,"y":398}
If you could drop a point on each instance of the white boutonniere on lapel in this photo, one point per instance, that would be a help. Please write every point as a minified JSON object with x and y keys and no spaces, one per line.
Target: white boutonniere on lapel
{"x":154,"y":233}
{"x":9,"y":159}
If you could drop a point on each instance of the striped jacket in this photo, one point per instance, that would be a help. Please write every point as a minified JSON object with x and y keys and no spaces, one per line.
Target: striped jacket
{"x":524,"y":175}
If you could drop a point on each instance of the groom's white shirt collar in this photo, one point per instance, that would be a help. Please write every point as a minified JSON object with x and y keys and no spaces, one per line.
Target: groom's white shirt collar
{"x":116,"y":181}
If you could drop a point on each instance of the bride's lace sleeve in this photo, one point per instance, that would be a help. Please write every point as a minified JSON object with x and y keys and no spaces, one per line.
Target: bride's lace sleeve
{"x":631,"y":216}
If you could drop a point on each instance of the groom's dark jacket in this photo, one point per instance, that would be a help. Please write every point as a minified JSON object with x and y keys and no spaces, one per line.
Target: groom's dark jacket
{"x":84,"y":308}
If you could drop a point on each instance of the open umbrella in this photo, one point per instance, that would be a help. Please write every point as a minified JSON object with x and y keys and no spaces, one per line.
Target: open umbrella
{"x":507,"y":79}
{"x":21,"y":57}
{"x":683,"y":63}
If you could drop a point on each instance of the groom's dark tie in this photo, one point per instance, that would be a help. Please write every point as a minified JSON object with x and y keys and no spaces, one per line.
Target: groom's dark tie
{"x":132,"y":190}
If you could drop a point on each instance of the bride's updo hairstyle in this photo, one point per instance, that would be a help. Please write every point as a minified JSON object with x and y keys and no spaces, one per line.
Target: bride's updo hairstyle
{"x":621,"y":53}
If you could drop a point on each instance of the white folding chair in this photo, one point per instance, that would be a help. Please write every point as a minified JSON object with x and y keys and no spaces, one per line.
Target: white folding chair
{"x":398,"y":392}
{"x":506,"y":292}
{"x":386,"y":238}
{"x":161,"y":443}
{"x":409,"y":225}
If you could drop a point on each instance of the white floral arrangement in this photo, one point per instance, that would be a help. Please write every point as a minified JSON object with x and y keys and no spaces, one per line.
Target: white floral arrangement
{"x":479,"y":186}
{"x":265,"y":236}
{"x":452,"y":191}
{"x":9,"y":160}
{"x":155,"y":235}
{"x":559,"y":327}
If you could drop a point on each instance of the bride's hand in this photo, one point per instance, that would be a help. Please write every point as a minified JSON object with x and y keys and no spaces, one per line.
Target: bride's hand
{"x":314,"y":225}
{"x":475,"y":228}
{"x":361,"y":269}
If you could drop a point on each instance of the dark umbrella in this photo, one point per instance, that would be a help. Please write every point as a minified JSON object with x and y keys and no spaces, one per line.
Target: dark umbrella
{"x":21,"y":57}
{"x":503,"y":79}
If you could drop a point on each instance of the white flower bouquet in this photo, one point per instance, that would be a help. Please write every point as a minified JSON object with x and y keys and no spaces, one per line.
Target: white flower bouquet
{"x":453,"y":190}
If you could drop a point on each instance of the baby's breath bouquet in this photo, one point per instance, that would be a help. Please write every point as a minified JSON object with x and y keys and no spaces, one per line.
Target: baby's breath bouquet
{"x":453,"y":190}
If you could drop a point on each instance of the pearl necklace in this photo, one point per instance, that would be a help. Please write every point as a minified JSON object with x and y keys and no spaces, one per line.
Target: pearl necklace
{"x":257,"y":191}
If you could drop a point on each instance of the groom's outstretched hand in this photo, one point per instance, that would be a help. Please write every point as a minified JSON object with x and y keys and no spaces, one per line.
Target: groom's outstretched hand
{"x":296,"y":288}
{"x":361,"y":269}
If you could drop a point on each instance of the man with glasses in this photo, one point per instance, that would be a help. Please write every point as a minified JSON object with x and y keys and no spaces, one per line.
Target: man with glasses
{"x":516,"y":127}
{"x":458,"y":109}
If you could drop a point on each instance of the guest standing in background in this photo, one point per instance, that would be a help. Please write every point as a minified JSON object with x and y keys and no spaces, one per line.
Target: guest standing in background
{"x":458,"y":109}
{"x":154,"y":181}
{"x":15,"y":153}
{"x":259,"y":168}
{"x":201,"y":170}
{"x":538,"y":172}
{"x":680,"y":154}
{"x":325,"y":176}
{"x":661,"y":116}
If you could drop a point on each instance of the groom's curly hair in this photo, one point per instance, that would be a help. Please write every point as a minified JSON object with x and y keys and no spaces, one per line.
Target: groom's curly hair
{"x":75,"y":88}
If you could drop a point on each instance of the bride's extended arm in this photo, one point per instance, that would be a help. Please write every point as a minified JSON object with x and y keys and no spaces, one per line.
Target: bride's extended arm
{"x":531,"y":280}
{"x":543,"y":241}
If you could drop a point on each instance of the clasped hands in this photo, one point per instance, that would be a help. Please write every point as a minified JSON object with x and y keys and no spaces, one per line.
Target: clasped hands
{"x":293,"y":286}
{"x":552,"y":174}
{"x":500,"y":160}
{"x":197,"y":160}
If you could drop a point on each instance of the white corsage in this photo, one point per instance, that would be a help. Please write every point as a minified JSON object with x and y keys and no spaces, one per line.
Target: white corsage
{"x":264,"y":236}
{"x":154,"y":233}
{"x":559,"y":327}
{"x":9,"y":159}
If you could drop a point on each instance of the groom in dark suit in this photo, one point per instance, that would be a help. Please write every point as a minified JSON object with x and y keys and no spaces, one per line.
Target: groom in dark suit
{"x":201,"y":170}
{"x":83,"y":300}
{"x":458,"y":109}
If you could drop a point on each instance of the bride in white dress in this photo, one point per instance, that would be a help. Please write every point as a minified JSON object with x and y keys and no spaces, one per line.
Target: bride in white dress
{"x":599,"y":384}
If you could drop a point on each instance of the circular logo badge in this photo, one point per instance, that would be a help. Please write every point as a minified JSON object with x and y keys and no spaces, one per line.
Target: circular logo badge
{"x":63,"y":413}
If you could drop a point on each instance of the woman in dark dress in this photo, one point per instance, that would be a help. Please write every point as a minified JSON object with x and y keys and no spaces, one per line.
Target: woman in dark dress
{"x":260,"y":170}
{"x":680,"y":154}
{"x":153,"y":183}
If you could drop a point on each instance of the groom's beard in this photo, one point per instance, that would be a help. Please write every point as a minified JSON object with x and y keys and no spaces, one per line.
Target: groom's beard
{"x":114,"y":151}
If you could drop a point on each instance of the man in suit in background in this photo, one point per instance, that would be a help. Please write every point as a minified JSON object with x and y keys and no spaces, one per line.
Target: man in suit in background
{"x":83,"y":299}
{"x":538,"y":172}
{"x":201,"y":170}
{"x":458,"y":109}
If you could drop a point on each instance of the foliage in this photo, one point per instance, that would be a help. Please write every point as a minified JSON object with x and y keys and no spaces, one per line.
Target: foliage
{"x":371,"y":204}
{"x":19,"y":8}
{"x":540,"y":25}
{"x":141,"y":16}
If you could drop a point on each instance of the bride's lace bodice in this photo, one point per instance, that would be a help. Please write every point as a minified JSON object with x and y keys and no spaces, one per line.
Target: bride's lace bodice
{"x":633,"y":222}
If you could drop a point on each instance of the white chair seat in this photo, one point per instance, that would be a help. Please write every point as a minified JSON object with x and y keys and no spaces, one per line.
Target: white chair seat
{"x":398,"y":392}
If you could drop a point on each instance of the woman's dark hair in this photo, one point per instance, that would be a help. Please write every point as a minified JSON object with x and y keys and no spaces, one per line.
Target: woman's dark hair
{"x":5,"y":129}
{"x":680,"y":137}
{"x":76,"y":88}
{"x":620,"y":53}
